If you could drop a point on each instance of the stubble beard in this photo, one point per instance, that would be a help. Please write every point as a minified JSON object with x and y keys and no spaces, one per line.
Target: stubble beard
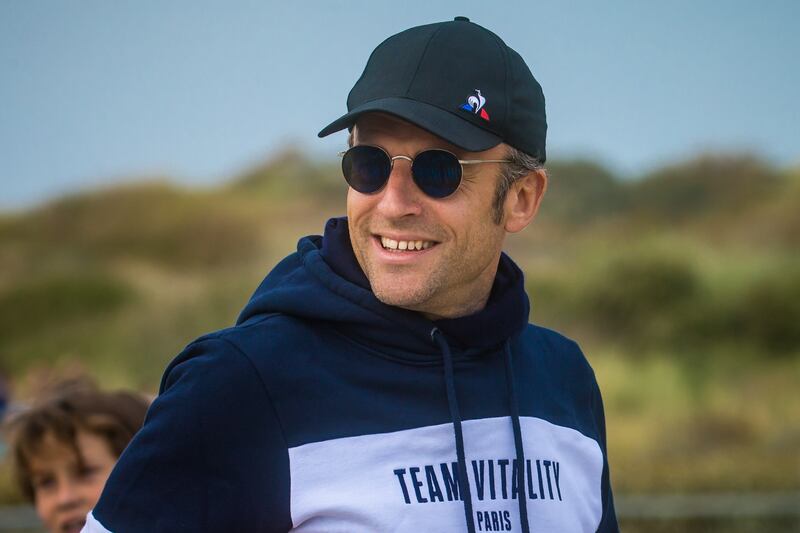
{"x":418,"y":296}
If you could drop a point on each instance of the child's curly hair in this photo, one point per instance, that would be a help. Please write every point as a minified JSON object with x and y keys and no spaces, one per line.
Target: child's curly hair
{"x":71,"y":406}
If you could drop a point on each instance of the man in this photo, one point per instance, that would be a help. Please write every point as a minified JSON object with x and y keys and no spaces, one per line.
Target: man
{"x":384,"y":376}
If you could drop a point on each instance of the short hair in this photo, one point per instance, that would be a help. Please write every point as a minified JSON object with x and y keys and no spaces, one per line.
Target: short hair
{"x":72,"y":406}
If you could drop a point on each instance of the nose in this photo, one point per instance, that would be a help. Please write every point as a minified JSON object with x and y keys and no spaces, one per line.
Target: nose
{"x":400,"y":196}
{"x":68,"y":494}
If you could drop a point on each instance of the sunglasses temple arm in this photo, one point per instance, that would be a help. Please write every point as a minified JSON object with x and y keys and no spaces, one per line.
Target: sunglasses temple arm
{"x":478,"y":161}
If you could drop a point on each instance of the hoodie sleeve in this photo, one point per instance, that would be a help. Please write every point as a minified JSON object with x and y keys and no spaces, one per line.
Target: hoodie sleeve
{"x":608,"y":522}
{"x":210,"y":457}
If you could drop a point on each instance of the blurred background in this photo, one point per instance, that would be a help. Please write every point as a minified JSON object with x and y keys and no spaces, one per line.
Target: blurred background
{"x":157,"y":159}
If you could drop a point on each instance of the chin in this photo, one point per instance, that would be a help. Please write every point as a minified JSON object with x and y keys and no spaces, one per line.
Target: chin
{"x":401,"y":296}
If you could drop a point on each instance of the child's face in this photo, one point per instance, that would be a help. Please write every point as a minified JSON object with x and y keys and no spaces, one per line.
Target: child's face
{"x":63,"y":492}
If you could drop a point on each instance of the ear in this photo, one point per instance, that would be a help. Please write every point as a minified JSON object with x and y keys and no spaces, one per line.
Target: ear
{"x":523,"y":199}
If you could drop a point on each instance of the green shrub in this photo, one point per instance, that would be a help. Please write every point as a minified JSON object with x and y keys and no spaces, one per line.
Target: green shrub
{"x":713,"y":182}
{"x":153,"y":222}
{"x":769,"y":314}
{"x":638,"y":299}
{"x":36,"y":306}
{"x":762,"y":317}
{"x":581,"y":191}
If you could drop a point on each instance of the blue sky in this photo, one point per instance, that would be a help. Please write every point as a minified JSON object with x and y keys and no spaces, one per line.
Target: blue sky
{"x":94,"y":91}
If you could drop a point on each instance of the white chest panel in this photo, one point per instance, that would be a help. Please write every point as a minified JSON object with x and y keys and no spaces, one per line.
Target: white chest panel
{"x":405,"y":481}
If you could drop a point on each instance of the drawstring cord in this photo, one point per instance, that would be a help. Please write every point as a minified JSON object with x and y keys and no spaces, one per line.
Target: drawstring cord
{"x":522,"y":494}
{"x":452,"y":403}
{"x":455,"y":415}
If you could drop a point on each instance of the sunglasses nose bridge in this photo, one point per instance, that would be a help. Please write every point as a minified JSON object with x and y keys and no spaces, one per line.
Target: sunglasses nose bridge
{"x":431,"y":177}
{"x":405,"y":157}
{"x":400,"y":194}
{"x":393,"y":159}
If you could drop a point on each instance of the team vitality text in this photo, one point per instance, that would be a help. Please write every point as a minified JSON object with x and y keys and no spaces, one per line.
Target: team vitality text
{"x":492,"y":478}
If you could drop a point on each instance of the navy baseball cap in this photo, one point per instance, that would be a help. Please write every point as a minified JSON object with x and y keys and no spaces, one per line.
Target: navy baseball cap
{"x":457,"y":80}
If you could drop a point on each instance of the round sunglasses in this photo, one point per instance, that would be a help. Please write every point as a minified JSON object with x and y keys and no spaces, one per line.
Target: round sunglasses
{"x":436,"y":172}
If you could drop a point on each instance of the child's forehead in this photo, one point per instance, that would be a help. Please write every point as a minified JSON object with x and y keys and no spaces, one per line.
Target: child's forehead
{"x":50,"y":451}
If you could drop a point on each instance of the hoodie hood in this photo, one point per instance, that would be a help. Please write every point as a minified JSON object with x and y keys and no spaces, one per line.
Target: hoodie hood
{"x":323,"y":282}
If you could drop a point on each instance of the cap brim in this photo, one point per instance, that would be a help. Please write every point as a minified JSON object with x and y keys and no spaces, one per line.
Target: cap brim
{"x":441,"y":123}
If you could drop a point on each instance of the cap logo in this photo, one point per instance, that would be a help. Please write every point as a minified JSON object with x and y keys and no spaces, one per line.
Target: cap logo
{"x":475,"y":104}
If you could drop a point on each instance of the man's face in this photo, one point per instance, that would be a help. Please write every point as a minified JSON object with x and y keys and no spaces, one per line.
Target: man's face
{"x":64,"y":492}
{"x":453,"y":276}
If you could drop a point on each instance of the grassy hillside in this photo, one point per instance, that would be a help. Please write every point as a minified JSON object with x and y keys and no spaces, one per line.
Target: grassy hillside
{"x":683,"y":288}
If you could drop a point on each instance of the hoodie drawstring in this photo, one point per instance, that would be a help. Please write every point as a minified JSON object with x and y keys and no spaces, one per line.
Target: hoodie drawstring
{"x":522,"y":494}
{"x":452,"y":403}
{"x":455,"y":415}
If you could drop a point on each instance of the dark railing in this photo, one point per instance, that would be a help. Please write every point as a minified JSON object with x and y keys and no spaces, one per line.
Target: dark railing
{"x":772,"y":512}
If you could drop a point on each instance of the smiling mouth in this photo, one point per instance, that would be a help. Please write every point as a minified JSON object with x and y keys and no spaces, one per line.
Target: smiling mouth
{"x":404,"y":246}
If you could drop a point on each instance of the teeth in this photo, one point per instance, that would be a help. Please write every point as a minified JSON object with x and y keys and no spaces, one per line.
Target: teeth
{"x":391,"y":244}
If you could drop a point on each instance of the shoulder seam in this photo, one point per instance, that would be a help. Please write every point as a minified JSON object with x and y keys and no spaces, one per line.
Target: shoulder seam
{"x":221,"y":334}
{"x":263,"y":385}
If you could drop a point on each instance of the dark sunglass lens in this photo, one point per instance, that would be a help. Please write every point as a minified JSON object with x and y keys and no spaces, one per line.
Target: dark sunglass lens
{"x":437,"y":173}
{"x":366,"y":168}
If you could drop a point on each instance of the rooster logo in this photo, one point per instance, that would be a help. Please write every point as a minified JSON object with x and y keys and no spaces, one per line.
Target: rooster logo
{"x":475,"y":105}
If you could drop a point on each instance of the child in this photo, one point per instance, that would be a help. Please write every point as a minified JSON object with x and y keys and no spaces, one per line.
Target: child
{"x":64,"y":447}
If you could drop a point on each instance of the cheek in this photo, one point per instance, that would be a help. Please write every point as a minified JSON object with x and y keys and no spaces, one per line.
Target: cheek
{"x":356,"y":205}
{"x":93,"y":490}
{"x":352,"y":197}
{"x":94,"y":486}
{"x":45,"y":506}
{"x":481,"y":237}
{"x":89,"y":491}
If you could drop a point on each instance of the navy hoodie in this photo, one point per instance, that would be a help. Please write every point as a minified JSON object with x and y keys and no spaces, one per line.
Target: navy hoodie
{"x":325,"y":410}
